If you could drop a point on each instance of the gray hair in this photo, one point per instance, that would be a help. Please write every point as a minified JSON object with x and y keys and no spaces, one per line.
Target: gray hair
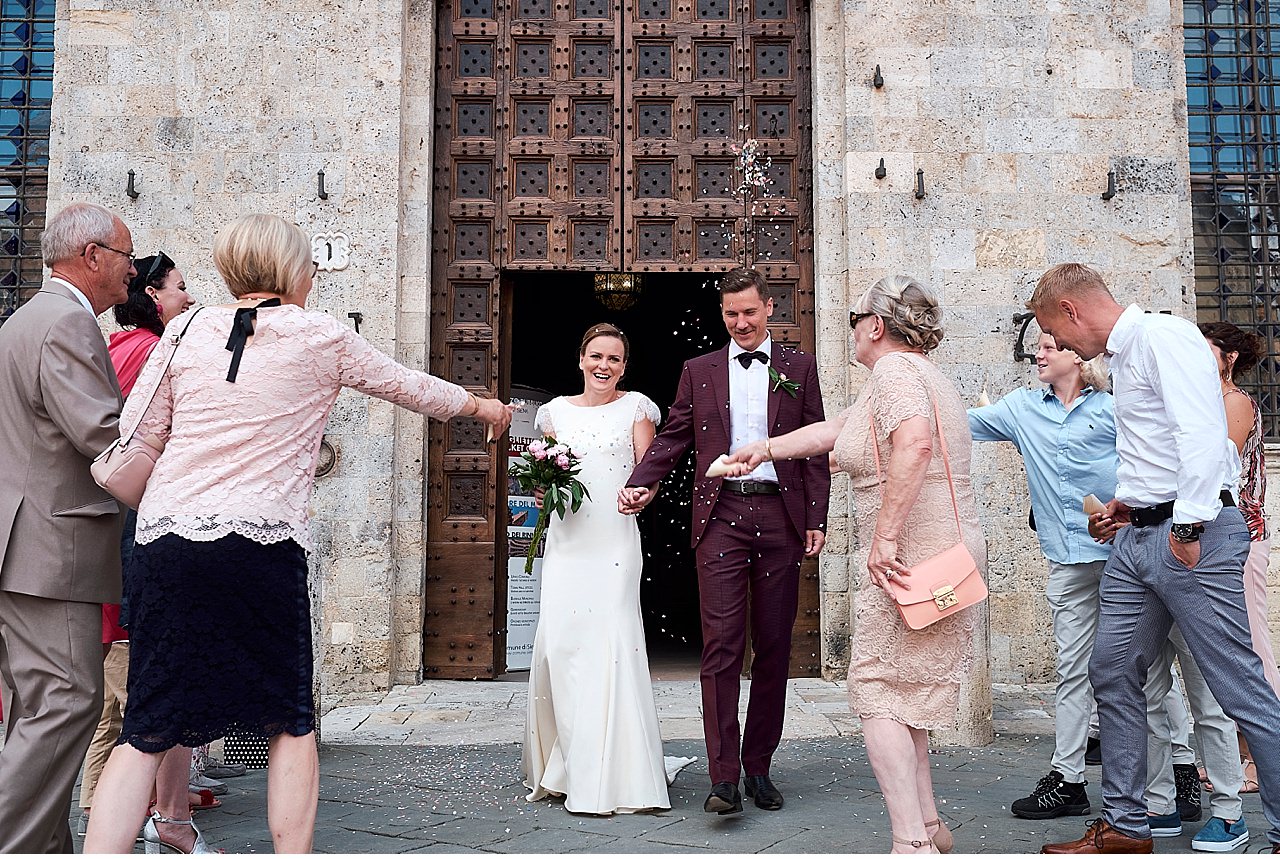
{"x":66,"y":233}
{"x":909,"y":309}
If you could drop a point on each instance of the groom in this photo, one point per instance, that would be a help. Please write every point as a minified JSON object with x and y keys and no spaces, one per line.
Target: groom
{"x":749,"y":535}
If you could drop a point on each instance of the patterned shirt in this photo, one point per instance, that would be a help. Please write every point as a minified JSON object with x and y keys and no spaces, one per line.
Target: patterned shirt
{"x":1253,"y":477}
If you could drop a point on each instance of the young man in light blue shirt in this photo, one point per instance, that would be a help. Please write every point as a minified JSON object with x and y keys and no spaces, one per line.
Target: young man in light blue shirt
{"x":1066,"y":434}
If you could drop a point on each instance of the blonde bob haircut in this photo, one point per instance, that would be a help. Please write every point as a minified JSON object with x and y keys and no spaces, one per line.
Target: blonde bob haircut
{"x":262,"y":253}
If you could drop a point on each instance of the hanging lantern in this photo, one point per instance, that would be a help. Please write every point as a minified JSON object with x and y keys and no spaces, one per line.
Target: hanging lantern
{"x":617,"y":290}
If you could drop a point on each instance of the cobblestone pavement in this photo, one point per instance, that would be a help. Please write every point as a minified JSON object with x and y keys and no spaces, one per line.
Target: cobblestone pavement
{"x":436,"y":769}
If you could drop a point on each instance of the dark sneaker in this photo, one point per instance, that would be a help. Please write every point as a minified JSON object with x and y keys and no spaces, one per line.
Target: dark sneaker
{"x":1165,"y":825}
{"x":1187,"y":780}
{"x":1052,"y":797}
{"x":1093,"y":752}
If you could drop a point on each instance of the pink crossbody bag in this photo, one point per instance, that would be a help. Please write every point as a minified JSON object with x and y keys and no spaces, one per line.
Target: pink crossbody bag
{"x":949,"y":581}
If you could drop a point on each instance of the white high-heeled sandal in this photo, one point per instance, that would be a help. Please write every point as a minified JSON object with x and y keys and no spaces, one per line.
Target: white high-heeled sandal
{"x":153,"y":843}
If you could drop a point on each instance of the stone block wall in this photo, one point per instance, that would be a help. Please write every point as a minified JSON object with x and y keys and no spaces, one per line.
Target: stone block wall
{"x":1015,"y":111}
{"x":225,"y":107}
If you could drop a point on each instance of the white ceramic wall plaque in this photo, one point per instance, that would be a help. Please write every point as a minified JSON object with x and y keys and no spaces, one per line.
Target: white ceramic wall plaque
{"x":331,"y":250}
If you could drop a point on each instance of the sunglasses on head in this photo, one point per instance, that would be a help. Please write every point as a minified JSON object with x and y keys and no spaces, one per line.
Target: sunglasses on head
{"x":159,"y":264}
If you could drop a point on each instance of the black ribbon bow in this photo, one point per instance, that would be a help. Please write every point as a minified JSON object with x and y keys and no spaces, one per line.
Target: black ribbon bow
{"x":745,"y":358}
{"x":241,"y":331}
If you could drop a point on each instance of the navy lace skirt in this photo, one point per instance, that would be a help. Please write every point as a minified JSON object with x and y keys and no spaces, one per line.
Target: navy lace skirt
{"x":220,"y":641}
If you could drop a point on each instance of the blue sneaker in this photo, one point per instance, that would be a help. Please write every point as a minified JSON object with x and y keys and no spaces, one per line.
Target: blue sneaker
{"x":1218,"y":836}
{"x":1165,"y":825}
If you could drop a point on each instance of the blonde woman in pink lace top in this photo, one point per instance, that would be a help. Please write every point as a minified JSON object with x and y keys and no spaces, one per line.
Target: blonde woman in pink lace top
{"x":223,"y":529}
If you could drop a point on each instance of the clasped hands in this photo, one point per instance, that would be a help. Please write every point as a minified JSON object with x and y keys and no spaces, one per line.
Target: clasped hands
{"x":1103,"y":527}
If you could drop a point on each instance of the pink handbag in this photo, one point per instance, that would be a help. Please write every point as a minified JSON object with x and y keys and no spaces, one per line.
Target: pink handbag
{"x":949,"y":581}
{"x":124,"y":468}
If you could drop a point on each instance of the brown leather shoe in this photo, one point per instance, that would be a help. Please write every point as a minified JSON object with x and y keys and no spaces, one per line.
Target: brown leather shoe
{"x":1101,"y":838}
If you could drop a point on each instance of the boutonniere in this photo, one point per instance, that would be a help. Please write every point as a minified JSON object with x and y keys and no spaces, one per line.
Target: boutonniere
{"x":780,"y":380}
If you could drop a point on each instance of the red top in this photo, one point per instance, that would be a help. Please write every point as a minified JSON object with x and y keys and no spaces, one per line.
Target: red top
{"x":129,"y":351}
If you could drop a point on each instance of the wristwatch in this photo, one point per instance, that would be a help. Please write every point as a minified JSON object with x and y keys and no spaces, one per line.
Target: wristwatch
{"x":1185,"y":532}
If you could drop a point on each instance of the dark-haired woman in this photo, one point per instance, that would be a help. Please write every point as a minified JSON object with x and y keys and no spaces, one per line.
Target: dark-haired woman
{"x":1238,"y":352}
{"x":156,"y":296}
{"x":592,"y":733}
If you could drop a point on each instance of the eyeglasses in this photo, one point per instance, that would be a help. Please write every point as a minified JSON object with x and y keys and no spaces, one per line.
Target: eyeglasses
{"x":159,"y":264}
{"x":855,"y":318}
{"x":130,"y":254}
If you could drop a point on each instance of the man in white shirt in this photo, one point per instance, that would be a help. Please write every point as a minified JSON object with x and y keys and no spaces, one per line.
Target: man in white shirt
{"x":59,"y":531}
{"x":1181,"y":558}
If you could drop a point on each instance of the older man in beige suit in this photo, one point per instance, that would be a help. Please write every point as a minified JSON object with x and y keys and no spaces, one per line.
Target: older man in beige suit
{"x":59,"y":532}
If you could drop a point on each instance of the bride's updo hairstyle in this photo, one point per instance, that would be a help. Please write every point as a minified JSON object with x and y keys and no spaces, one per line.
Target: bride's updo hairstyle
{"x":604,"y":329}
{"x":909,"y":309}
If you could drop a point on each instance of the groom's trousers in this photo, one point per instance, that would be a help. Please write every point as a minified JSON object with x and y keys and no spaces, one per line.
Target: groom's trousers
{"x":748,"y":547}
{"x":1145,"y":590}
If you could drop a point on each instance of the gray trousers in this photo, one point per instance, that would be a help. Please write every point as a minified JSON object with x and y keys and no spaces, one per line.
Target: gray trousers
{"x":1072,"y":592}
{"x":1214,"y":731}
{"x":1145,"y":591}
{"x":51,"y":677}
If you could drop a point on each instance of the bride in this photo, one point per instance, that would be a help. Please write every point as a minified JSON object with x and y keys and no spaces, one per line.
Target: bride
{"x":592,"y":728}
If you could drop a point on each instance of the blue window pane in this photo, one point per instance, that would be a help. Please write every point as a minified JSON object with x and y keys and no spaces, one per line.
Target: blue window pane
{"x":41,"y":91}
{"x":43,"y":35}
{"x":41,"y":62}
{"x":1230,"y":159}
{"x":1192,"y":12}
{"x":1201,"y":159}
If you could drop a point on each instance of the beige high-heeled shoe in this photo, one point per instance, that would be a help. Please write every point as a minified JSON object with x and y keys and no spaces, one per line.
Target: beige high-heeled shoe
{"x":943,"y":840}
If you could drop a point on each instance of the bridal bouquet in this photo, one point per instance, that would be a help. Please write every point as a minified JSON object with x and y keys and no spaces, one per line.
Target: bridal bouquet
{"x":552,"y":467}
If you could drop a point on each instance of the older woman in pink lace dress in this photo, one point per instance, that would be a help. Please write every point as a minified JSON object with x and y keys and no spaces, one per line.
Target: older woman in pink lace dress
{"x":223,"y":525}
{"x":902,"y":682}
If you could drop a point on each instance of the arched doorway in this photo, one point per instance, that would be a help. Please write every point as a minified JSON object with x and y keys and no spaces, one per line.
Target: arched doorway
{"x":588,"y":136}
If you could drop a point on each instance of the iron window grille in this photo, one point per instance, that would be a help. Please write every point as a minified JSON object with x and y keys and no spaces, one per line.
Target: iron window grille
{"x":26,"y":93}
{"x":1233,"y":102}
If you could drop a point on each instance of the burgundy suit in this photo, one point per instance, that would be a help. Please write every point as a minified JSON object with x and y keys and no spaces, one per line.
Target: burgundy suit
{"x":744,"y":543}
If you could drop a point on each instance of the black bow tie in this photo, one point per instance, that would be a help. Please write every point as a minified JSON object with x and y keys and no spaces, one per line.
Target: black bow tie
{"x":745,"y":358}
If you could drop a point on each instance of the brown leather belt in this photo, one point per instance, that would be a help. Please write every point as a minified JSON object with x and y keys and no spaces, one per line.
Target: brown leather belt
{"x":752,"y":487}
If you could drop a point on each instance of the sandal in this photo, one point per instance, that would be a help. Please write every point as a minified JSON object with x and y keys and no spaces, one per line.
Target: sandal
{"x":155,"y":844}
{"x":202,"y":799}
{"x":1250,"y":776}
{"x":916,"y":844}
{"x":943,"y":840}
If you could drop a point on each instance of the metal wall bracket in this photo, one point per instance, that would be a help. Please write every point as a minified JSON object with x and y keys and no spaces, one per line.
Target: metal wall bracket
{"x":1019,"y":350}
{"x":130,"y":190}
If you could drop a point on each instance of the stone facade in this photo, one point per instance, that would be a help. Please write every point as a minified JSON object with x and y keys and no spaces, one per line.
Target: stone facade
{"x":1014,"y":109}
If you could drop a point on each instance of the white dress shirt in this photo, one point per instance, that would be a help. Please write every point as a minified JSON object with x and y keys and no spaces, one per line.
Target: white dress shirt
{"x":749,"y":405}
{"x":80,"y":296}
{"x":1171,"y":429}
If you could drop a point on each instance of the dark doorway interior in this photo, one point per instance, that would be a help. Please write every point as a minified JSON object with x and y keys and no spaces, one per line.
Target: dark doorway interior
{"x":676,"y":317}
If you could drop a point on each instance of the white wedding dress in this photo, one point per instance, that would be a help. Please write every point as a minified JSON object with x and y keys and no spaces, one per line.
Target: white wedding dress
{"x":592,"y":729}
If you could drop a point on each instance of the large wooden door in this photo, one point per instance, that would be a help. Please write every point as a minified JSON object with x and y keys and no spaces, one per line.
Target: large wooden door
{"x":591,"y":135}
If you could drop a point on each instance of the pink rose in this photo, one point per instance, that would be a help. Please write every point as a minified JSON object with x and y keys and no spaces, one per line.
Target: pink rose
{"x":562,"y":460}
{"x":558,"y":450}
{"x":538,"y":449}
